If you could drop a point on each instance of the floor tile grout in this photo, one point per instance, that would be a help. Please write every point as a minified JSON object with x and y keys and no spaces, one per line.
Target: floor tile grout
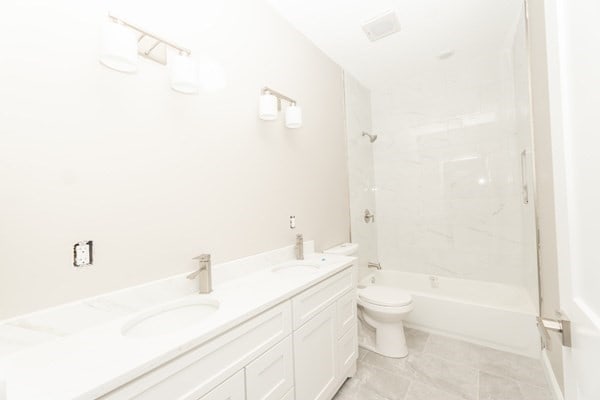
{"x":478,"y":368}
{"x":511,"y":379}
{"x":410,"y":383}
{"x":478,"y":384}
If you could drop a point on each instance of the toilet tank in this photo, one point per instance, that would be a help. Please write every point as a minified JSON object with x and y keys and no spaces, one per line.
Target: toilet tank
{"x":344,"y":249}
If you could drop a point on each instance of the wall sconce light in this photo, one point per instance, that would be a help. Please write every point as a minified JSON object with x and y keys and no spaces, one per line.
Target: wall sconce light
{"x":119,"y":47}
{"x":293,"y":116}
{"x":184,"y":73}
{"x":122,"y":42}
{"x":270,"y":104}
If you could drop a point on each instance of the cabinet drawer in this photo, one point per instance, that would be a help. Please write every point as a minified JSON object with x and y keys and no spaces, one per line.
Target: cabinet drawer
{"x":271,"y":376}
{"x":347,"y":351}
{"x":196,"y":372}
{"x":315,"y":299}
{"x":346,"y":312}
{"x":232,"y":389}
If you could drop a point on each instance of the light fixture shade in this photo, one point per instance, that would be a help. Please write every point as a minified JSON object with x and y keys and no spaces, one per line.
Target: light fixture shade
{"x":293,"y":117}
{"x":184,"y":73}
{"x":119,"y":48}
{"x":267,"y":108}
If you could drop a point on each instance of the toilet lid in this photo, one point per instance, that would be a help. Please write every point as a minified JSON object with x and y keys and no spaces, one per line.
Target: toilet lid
{"x":385,"y":296}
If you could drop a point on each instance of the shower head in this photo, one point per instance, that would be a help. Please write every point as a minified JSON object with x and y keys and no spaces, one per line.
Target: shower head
{"x":371,"y":137}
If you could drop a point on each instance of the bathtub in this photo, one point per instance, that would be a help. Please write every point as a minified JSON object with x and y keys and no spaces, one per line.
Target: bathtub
{"x":491,"y":314}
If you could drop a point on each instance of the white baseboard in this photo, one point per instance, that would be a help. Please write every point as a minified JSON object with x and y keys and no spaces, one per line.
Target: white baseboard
{"x":550,"y":377}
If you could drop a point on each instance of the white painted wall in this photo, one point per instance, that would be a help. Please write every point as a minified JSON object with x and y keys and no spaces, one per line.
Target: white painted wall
{"x":155,"y":177}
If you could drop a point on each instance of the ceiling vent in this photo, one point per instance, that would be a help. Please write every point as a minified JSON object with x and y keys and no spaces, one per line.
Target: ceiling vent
{"x":381,"y":26}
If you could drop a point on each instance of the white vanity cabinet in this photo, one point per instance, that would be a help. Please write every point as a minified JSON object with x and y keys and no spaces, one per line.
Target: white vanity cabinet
{"x":301,"y":349}
{"x":323,"y":345}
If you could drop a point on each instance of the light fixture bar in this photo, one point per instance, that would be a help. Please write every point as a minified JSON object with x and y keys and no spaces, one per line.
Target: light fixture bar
{"x":147,"y":52}
{"x":280,"y":96}
{"x":144,"y":33}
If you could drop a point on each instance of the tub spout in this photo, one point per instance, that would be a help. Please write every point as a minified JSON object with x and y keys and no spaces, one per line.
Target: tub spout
{"x":374,"y":265}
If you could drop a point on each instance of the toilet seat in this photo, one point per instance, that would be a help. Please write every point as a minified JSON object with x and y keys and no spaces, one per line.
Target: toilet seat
{"x":384,"y":296}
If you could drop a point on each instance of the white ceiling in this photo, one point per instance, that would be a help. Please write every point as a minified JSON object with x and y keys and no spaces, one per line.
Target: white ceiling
{"x":478,"y":31}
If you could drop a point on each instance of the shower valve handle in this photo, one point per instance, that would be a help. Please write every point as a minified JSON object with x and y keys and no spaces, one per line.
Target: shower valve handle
{"x":369,"y":216}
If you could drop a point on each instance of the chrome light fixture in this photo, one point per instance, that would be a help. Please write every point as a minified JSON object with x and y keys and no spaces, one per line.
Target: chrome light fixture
{"x":270,"y":105}
{"x":122,"y":42}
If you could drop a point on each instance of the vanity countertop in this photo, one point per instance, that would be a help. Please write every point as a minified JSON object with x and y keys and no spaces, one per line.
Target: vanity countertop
{"x":87,"y":363}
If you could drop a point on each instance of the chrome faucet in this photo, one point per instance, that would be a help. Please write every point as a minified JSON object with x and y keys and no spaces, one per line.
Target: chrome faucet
{"x":374,"y":265}
{"x":299,"y":247}
{"x":204,"y":273}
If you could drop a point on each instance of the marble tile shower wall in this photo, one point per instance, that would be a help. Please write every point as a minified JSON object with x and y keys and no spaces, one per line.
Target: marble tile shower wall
{"x":448,"y":178}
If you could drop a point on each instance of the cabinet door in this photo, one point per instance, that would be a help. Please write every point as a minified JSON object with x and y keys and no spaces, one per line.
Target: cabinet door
{"x":346,"y":312}
{"x":232,"y":389}
{"x":315,"y":348}
{"x":271,"y":375}
{"x":347,"y":352}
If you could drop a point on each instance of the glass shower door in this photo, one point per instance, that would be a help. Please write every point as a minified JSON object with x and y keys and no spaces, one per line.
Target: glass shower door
{"x":363,"y":211}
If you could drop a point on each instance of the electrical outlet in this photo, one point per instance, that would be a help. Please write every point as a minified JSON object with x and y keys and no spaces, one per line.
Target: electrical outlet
{"x":83,"y":254}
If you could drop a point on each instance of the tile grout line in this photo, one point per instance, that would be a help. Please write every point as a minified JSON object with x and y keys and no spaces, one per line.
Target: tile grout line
{"x":410,"y":382}
{"x":426,"y":341}
{"x":477,"y":368}
{"x":478,"y":384}
{"x":427,"y":351}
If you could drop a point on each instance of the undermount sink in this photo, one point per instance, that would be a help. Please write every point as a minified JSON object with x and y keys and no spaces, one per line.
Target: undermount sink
{"x":170,"y":318}
{"x":297,"y":267}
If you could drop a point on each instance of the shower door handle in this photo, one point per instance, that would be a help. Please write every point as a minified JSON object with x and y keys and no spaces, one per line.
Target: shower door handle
{"x":524,"y":185}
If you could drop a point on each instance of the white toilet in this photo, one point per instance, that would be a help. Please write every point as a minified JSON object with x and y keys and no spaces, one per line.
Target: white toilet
{"x":383,"y":309}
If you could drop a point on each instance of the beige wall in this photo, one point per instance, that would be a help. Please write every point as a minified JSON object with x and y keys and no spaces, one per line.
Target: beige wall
{"x":152,"y":176}
{"x":544,"y":182}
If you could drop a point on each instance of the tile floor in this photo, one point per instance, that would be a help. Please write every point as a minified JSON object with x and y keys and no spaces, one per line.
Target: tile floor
{"x":440,"y":368}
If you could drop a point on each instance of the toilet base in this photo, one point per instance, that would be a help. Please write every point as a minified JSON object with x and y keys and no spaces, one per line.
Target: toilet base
{"x":388,"y":341}
{"x":374,"y":350}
